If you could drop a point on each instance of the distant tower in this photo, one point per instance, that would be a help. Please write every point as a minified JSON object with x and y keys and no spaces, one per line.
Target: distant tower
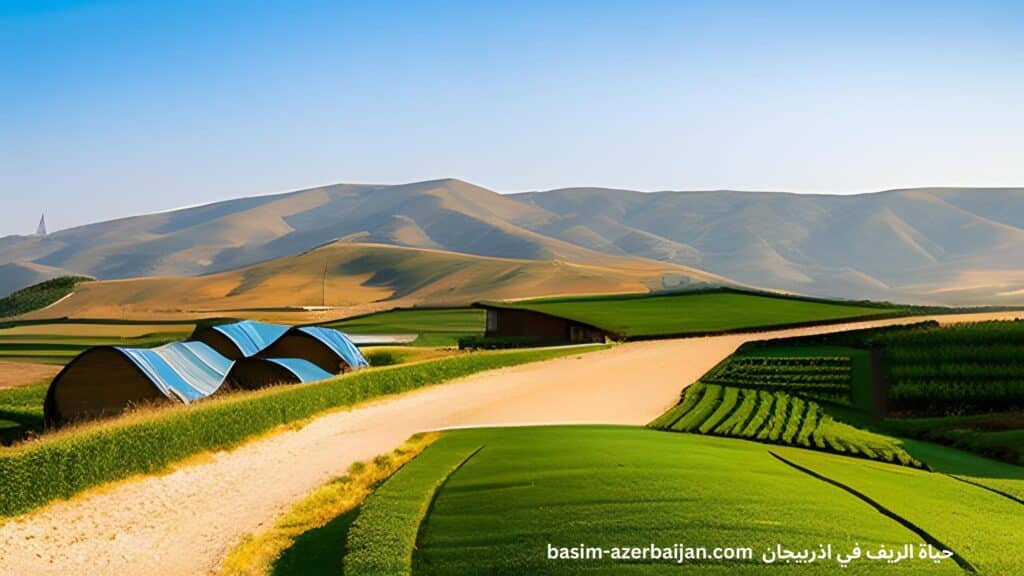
{"x":41,"y":230}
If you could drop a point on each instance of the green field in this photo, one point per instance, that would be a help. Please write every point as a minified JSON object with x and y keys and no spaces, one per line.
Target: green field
{"x":435,"y":327}
{"x":21,"y":411}
{"x":491,"y":501}
{"x":643,"y":316}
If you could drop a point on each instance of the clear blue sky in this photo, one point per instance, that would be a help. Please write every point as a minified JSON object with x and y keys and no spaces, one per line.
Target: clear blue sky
{"x":114,"y":108}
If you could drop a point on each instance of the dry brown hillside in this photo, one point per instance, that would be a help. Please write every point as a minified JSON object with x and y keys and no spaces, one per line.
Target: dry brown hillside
{"x":353,"y":278}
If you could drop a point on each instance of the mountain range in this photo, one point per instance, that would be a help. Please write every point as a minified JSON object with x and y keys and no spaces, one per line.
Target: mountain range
{"x":928,"y":245}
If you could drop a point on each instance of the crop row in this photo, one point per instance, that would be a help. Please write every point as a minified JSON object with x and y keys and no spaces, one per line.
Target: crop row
{"x":774,"y":417}
{"x":956,"y":397}
{"x":966,"y":371}
{"x":838,"y":386}
{"x":790,"y":361}
{"x":995,"y":353}
{"x":983,"y":333}
{"x":783,"y":374}
{"x":783,"y":378}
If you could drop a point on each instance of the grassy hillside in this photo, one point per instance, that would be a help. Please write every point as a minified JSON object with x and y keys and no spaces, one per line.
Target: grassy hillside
{"x":645,"y":316}
{"x":38,"y":295}
{"x":492,"y":501}
{"x":361,"y":278}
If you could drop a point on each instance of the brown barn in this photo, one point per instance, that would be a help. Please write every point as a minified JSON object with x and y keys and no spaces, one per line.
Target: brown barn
{"x":510,"y":322}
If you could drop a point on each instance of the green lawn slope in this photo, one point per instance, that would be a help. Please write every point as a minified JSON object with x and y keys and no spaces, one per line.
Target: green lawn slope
{"x":522,"y":490}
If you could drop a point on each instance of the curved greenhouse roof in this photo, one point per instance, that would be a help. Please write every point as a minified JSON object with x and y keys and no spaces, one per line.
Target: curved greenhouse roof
{"x":186,"y":370}
{"x":240,"y":339}
{"x":338,"y":342}
{"x":247,"y":339}
{"x":107,"y":380}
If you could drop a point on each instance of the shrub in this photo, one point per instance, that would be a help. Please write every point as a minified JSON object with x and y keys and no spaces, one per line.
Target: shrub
{"x":498,"y":343}
{"x":38,"y":295}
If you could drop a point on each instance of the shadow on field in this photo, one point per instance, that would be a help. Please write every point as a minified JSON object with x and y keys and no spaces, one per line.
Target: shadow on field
{"x":319,"y":551}
{"x":15,"y":425}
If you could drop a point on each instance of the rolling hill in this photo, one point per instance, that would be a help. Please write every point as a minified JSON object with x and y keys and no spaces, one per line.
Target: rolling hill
{"x":363,"y":278}
{"x":933,"y":246}
{"x":942,"y":245}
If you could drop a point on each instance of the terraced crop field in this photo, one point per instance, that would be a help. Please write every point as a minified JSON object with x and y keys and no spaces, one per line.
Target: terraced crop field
{"x":826,"y":378}
{"x":776,"y":417}
{"x":961,"y":385}
{"x":496,"y":501}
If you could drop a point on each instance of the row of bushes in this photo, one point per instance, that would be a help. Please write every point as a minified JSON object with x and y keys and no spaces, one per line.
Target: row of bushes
{"x":38,"y":472}
{"x":500,"y":343}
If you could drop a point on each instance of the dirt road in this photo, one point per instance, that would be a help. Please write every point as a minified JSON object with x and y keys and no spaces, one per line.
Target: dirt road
{"x":184,"y":522}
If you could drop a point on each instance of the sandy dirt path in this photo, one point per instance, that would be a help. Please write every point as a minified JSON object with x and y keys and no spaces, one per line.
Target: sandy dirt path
{"x":185,"y":521}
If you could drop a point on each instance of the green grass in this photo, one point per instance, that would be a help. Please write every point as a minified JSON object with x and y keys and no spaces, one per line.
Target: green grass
{"x":38,"y":295}
{"x":983,"y":527}
{"x":383,"y":536}
{"x":386,"y":357}
{"x":643,"y":316}
{"x":440,"y":327}
{"x":980,"y":433}
{"x":1001,"y":476}
{"x":776,"y":417}
{"x":622,"y":486}
{"x":21,"y":411}
{"x":66,"y":463}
